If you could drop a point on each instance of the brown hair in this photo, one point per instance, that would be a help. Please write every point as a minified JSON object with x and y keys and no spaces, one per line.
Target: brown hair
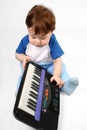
{"x":41,"y":19}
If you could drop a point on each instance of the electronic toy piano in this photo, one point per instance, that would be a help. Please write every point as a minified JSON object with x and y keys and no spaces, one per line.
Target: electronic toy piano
{"x":38,"y":100}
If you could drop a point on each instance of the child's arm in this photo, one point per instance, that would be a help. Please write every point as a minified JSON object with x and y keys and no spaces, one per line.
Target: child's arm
{"x":57,"y":72}
{"x":22,"y":58}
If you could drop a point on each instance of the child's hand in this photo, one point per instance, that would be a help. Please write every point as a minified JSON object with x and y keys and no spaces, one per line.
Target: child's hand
{"x":26,"y":59}
{"x":58,"y":80}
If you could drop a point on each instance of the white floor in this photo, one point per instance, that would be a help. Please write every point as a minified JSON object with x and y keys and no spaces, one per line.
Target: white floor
{"x":72,"y":35}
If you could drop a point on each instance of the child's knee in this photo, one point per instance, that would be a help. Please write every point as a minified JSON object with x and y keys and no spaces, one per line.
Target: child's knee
{"x":50,"y":69}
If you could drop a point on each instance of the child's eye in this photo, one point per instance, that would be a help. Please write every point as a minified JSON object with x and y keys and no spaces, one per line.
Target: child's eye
{"x":33,"y":37}
{"x":40,"y":38}
{"x":43,"y":38}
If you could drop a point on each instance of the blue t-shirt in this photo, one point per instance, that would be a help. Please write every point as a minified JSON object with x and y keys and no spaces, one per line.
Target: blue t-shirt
{"x":55,"y":49}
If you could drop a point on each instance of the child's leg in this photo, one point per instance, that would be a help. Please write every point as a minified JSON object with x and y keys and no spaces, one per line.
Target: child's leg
{"x":18,"y":84}
{"x":69,"y":83}
{"x":19,"y":79}
{"x":64,"y":75}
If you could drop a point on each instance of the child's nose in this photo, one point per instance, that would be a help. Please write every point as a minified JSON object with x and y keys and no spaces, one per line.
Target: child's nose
{"x":38,"y":41}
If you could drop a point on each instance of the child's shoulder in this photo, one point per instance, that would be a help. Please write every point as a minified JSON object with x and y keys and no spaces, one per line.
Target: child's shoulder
{"x":53,"y":35}
{"x":25,"y":38}
{"x":53,"y":38}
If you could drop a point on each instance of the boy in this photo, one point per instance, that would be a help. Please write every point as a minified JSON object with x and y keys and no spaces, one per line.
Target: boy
{"x":41,"y":44}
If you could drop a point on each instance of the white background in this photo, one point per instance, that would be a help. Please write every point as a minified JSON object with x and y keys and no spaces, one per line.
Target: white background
{"x":71,"y":32}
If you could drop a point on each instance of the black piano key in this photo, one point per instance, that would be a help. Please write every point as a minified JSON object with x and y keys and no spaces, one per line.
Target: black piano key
{"x":34,"y":93}
{"x":34,"y":88}
{"x":36,"y":78}
{"x":30,"y":100}
{"x":37,"y":71}
{"x":35,"y":84}
{"x":32,"y":104}
{"x":31,"y":107}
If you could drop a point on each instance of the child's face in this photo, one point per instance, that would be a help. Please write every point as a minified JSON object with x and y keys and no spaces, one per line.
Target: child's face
{"x":39,"y":40}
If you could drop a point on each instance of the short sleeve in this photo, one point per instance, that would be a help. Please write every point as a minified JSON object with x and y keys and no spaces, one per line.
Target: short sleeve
{"x":55,"y":49}
{"x":22,"y":45}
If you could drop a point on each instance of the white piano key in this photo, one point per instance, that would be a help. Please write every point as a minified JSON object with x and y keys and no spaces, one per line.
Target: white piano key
{"x":29,"y":97}
{"x":26,"y":90}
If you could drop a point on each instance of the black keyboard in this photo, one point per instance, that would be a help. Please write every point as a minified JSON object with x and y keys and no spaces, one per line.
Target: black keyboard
{"x":38,"y":100}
